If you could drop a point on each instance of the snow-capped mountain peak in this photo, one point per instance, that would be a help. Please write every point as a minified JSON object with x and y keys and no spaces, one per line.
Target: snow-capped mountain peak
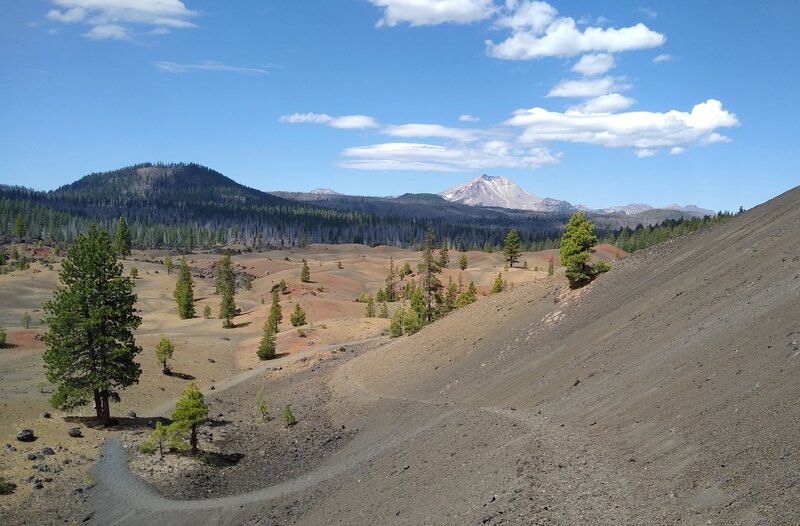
{"x":493,"y":191}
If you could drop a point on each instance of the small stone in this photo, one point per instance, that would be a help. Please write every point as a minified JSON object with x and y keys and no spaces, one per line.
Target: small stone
{"x":26,"y":435}
{"x":131,"y":414}
{"x":46,"y":415}
{"x":31,"y":456}
{"x":9,"y":448}
{"x":75,"y":432}
{"x":48,"y":451}
{"x":211,"y":388}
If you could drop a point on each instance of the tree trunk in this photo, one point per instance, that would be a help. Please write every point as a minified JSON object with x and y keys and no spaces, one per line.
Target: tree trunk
{"x":193,"y":438}
{"x":106,"y":409}
{"x":98,"y":404}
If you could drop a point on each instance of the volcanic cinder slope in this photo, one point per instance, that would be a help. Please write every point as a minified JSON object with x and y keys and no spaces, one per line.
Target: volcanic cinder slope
{"x":666,"y":392}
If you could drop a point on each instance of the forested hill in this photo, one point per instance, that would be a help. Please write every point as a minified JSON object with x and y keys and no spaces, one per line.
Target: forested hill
{"x":184,"y":186}
{"x":190,"y":206}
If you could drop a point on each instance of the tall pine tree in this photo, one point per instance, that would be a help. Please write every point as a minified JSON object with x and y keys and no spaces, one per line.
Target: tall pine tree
{"x":226,"y":285}
{"x":90,"y":348}
{"x":122,"y":239}
{"x":429,"y":270}
{"x":184,"y":292}
{"x":512,"y":247}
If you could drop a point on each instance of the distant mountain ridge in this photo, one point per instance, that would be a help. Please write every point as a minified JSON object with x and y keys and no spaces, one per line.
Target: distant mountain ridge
{"x":496,"y":191}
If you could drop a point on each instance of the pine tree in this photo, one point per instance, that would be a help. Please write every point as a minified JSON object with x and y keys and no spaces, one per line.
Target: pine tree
{"x":369,"y":310}
{"x":168,"y":263}
{"x":512,"y":247}
{"x":468,"y":296}
{"x":134,"y":272}
{"x":551,"y":269}
{"x":19,"y":226}
{"x":267,"y":348}
{"x":405,"y":270}
{"x":384,"y":311}
{"x":451,"y":297}
{"x":396,"y":323}
{"x":207,"y":312}
{"x":298,"y":316}
{"x":412,"y":322}
{"x":576,"y":250}
{"x":391,"y":283}
{"x":184,"y":292}
{"x":164,"y":351}
{"x":90,"y":347}
{"x":498,"y":284}
{"x":122,"y":239}
{"x":275,"y":313}
{"x":463,"y":262}
{"x":190,"y":410}
{"x":444,"y":256}
{"x":305,"y":273}
{"x":417,"y":302}
{"x":3,"y":336}
{"x":429,"y":270}
{"x":287,"y":417}
{"x":226,"y":285}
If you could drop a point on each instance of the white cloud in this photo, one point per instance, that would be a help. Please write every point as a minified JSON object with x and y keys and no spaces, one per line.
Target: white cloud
{"x":594,"y":64}
{"x":638,"y":130}
{"x":437,"y":158}
{"x":107,"y":31}
{"x":172,"y":67}
{"x":468,"y":118}
{"x":663,"y":58}
{"x":432,"y":12}
{"x":528,"y":16}
{"x":605,"y":104}
{"x":588,"y":87}
{"x":645,"y":152}
{"x":431,"y":130}
{"x":676,"y":150}
{"x":647,"y":11}
{"x":538,"y":32}
{"x":114,"y":19}
{"x":344,"y":122}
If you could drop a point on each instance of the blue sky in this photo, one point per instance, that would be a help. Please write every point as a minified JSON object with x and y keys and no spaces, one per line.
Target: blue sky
{"x":595,"y":102}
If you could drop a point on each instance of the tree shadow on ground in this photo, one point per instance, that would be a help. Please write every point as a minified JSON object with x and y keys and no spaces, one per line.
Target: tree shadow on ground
{"x":182,"y":376}
{"x":220,"y":460}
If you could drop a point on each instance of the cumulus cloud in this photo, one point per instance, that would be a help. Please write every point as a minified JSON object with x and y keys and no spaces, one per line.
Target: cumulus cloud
{"x":537,"y":32}
{"x":588,"y":87}
{"x":662,"y":58}
{"x":114,"y":19}
{"x":425,"y":13}
{"x":437,"y":158}
{"x":468,"y":118}
{"x":641,"y":131}
{"x":432,"y":130}
{"x":594,"y":64}
{"x":605,"y":104}
{"x":348,"y":122}
{"x":172,"y":67}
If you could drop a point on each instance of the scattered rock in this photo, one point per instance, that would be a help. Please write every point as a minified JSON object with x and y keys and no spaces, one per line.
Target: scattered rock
{"x":211,"y":360}
{"x":26,"y":435}
{"x":31,"y":456}
{"x":46,"y":415}
{"x":75,"y":432}
{"x":211,"y":388}
{"x":48,"y":451}
{"x":131,"y":414}
{"x":8,"y":448}
{"x":225,"y":338}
